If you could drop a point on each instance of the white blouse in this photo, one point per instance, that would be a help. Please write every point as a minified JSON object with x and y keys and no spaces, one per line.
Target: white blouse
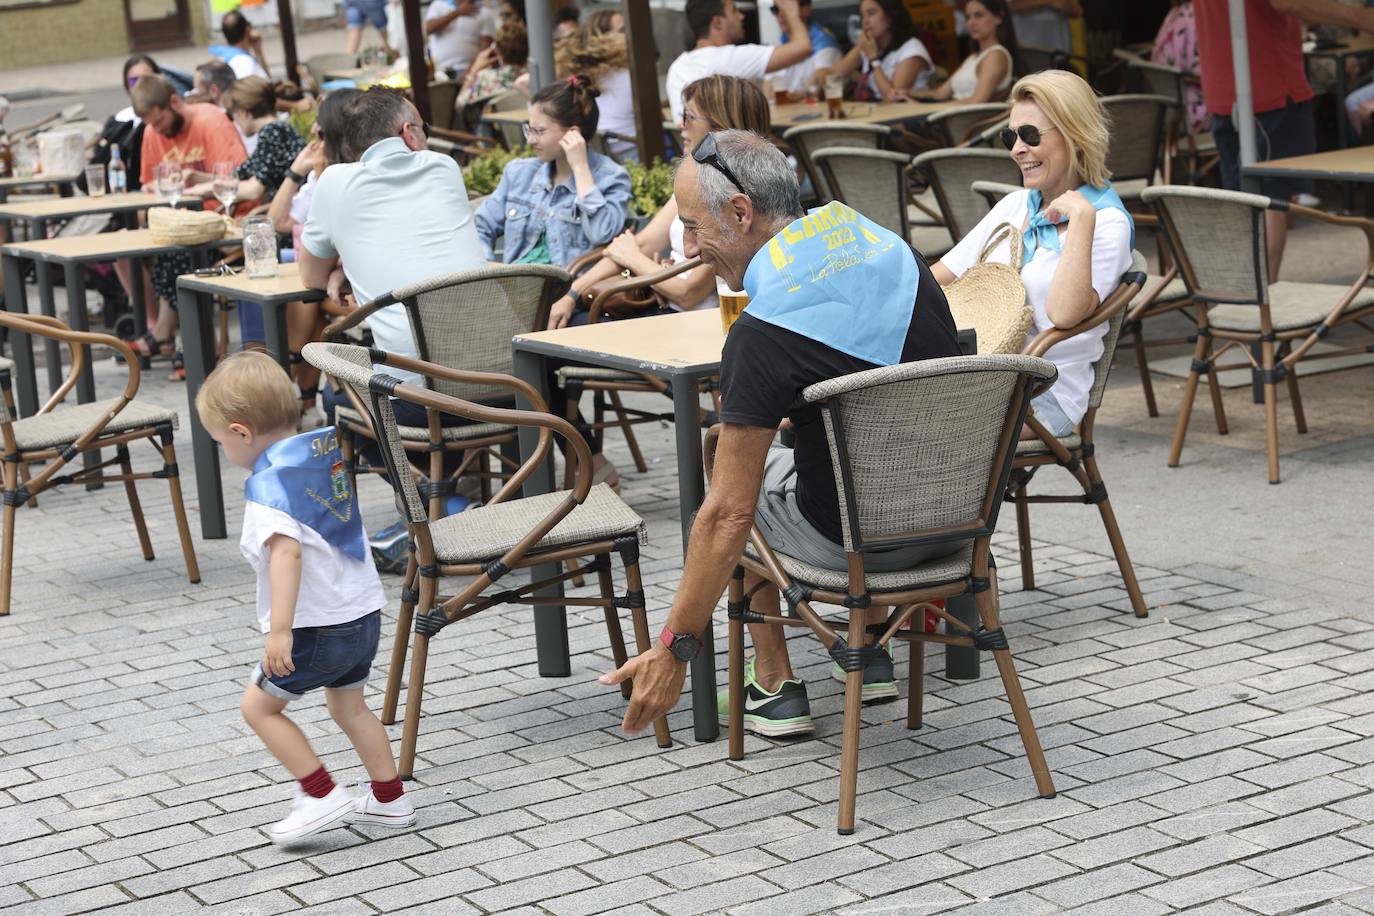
{"x":964,"y":82}
{"x":910,"y":48}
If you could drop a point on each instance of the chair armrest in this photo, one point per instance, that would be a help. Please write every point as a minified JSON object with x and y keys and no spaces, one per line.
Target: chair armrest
{"x":463,"y":376}
{"x":355,"y":318}
{"x":1131,"y":282}
{"x":586,"y":260}
{"x":993,"y":190}
{"x":601,"y":302}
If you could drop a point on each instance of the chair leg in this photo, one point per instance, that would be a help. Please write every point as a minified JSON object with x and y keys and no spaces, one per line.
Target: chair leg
{"x":1185,"y":411}
{"x":613,"y":631}
{"x":1271,"y":410}
{"x":735,"y":681}
{"x":986,"y":602}
{"x":398,"y":646}
{"x":629,"y":556}
{"x":484,"y":465}
{"x":1143,"y":364}
{"x":188,"y":547}
{"x":419,"y":655}
{"x":853,"y":707}
{"x":11,"y":478}
{"x":1123,"y":559}
{"x":1218,"y":411}
{"x":628,"y":430}
{"x":1299,"y":419}
{"x":1023,"y":537}
{"x":24,"y":477}
{"x":915,"y":696}
{"x":135,"y":508}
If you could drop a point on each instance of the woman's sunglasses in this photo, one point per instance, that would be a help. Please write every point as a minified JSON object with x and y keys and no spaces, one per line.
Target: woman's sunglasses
{"x":705,"y":154}
{"x":1029,"y":134}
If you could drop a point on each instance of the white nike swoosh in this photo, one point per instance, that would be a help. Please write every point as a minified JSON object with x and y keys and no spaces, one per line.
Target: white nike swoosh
{"x":751,"y":704}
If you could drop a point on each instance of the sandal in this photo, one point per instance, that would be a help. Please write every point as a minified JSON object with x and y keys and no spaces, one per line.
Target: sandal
{"x":149,"y":346}
{"x":178,"y":373}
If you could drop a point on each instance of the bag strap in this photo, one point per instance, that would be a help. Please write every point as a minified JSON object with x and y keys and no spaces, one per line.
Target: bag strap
{"x":1012,"y":235}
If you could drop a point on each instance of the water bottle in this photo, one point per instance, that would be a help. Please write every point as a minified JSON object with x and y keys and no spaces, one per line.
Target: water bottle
{"x":117,"y":177}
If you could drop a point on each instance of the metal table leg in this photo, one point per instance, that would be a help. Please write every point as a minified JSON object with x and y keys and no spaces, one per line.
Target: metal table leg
{"x":691,"y":490}
{"x":78,"y":320}
{"x":52,"y":353}
{"x":16,"y":301}
{"x":550,"y":621}
{"x":198,"y":347}
{"x":274,"y":327}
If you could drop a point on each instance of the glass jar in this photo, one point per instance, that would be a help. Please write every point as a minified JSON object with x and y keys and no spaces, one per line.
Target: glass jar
{"x":259,"y":247}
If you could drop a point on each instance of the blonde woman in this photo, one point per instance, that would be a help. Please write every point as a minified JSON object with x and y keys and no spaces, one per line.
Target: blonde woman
{"x":598,"y":51}
{"x":1078,"y":236}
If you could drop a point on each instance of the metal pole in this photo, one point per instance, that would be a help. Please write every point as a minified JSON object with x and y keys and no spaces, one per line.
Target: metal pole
{"x":539,"y":18}
{"x":288,"y":38}
{"x":639,"y":36}
{"x":1243,"y":115}
{"x":415,"y":53}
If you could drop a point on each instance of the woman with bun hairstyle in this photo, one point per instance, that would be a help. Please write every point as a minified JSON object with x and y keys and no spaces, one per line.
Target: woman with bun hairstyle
{"x":567,"y":200}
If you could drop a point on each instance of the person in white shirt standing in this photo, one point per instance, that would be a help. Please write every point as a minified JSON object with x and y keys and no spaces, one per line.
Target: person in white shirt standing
{"x":242,"y":48}
{"x":458,"y":30}
{"x":718,"y":27}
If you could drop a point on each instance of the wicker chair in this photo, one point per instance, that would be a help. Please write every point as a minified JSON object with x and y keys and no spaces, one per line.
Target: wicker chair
{"x":482,"y":545}
{"x":874,"y":182}
{"x":1077,"y":453}
{"x":443,"y":97}
{"x":900,"y":484}
{"x":952,"y":173}
{"x":462,"y":321}
{"x":963,"y":125}
{"x":1218,"y":240}
{"x":1139,"y":127}
{"x":808,"y":139}
{"x":1195,"y":150}
{"x":55,"y":438}
{"x":511,"y":135}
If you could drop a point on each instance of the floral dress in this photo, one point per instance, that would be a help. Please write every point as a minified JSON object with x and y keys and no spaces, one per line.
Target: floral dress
{"x":1176,"y":46}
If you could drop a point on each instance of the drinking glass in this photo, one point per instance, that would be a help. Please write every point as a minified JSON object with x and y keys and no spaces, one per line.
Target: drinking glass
{"x":259,"y":247}
{"x":732,"y":303}
{"x":834,"y":96}
{"x":95,"y":180}
{"x":226,"y":184}
{"x":170,"y":182}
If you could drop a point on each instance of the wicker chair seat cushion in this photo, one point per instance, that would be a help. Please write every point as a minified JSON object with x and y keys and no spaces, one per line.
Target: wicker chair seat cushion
{"x":596,"y":374}
{"x":1037,"y":447}
{"x":931,"y":241}
{"x":421,"y":434}
{"x":1176,"y":288}
{"x":489,"y":531}
{"x":944,"y":569}
{"x":1292,"y":305}
{"x":65,"y":424}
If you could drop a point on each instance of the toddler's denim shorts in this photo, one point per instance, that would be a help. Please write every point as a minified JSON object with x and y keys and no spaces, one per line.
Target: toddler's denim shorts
{"x":338,"y":656}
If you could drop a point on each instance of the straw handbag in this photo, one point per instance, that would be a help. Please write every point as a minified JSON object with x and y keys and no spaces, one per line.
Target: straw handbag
{"x":170,"y":226}
{"x":990,"y":298}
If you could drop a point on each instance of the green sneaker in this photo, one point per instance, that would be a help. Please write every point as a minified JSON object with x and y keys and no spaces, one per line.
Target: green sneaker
{"x":786,"y":711}
{"x":880,"y":678}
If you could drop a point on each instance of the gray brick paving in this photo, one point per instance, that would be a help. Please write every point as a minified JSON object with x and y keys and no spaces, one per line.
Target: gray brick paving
{"x":1217,"y":757}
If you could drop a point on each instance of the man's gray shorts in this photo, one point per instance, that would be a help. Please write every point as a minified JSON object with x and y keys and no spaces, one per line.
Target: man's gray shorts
{"x":787,"y":530}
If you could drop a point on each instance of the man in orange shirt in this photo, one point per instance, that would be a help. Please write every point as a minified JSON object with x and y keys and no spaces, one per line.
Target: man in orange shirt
{"x":195,"y":137}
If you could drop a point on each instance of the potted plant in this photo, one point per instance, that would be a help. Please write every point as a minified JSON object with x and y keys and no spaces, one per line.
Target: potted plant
{"x":650,"y":188}
{"x":483,"y":173}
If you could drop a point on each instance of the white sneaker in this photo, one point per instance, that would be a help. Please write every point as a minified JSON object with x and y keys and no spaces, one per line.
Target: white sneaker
{"x":397,"y":813}
{"x":309,"y":816}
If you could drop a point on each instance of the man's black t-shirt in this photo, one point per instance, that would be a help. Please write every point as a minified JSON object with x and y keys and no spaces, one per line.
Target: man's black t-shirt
{"x":764,"y":369}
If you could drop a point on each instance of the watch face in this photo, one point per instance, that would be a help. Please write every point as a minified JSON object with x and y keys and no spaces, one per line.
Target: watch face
{"x":685,"y":648}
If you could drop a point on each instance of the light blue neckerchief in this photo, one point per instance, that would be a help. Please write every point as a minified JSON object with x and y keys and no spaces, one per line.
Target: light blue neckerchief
{"x":839,"y":278}
{"x":1040,"y":231}
{"x":304,"y":476}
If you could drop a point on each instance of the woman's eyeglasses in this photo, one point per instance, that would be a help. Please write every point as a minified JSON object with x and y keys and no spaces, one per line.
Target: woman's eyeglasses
{"x":533,"y":133}
{"x":705,"y":154}
{"x":1029,"y":133}
{"x":688,"y":116}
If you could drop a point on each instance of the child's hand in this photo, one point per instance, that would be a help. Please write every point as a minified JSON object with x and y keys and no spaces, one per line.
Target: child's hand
{"x":276,"y":658}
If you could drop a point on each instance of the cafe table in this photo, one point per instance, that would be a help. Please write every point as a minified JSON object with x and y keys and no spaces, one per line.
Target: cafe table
{"x":1354,"y":164}
{"x":794,"y":113}
{"x":63,"y":184}
{"x":36,"y":214}
{"x":195,"y":304}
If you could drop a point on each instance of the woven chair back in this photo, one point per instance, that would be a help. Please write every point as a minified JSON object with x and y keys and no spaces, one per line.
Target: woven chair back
{"x":809,"y":139}
{"x":1159,"y":79}
{"x":443,"y":97}
{"x":466,"y":320}
{"x":952,"y":173}
{"x":320,"y":64}
{"x":925,"y":446}
{"x":957,"y":123}
{"x":1219,"y":240}
{"x":872,"y":181}
{"x":1137,"y":134}
{"x":1103,"y":367}
{"x":353,"y":366}
{"x":512,"y":135}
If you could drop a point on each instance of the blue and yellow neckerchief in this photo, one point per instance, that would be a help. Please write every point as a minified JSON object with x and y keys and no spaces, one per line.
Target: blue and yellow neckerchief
{"x":304,"y":476}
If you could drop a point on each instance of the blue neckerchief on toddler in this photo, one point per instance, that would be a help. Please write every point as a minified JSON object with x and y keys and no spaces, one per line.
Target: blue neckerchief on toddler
{"x":839,"y":278}
{"x":1040,"y":231}
{"x":304,"y":476}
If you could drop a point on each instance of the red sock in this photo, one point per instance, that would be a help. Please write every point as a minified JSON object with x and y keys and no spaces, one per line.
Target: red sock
{"x":318,"y":784}
{"x":387,"y":791}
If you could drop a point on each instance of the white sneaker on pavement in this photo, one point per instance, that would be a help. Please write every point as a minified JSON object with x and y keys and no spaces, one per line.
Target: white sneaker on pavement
{"x":397,"y":813}
{"x":309,"y":816}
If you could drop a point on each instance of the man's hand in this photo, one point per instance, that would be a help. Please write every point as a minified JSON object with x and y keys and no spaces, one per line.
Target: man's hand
{"x":334,"y":288}
{"x":787,"y":9}
{"x":658,"y":678}
{"x":276,"y":658}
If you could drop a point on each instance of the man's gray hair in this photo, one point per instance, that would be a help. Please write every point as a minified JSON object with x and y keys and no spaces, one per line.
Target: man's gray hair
{"x":767,"y":176}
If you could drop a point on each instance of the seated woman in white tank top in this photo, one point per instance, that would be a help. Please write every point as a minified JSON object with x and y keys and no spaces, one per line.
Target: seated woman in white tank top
{"x":709,"y":104}
{"x":985,"y":75}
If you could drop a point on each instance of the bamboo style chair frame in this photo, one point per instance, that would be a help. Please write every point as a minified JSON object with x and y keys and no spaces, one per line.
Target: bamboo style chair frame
{"x":952,"y":172}
{"x":1077,"y":453}
{"x":57,"y":437}
{"x":1195,"y":150}
{"x":486,"y":543}
{"x":1225,"y":266}
{"x":993,"y":394}
{"x":875,"y":182}
{"x":965,"y":125}
{"x":433,"y":319}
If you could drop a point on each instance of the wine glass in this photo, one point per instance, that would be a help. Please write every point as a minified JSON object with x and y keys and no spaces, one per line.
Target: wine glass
{"x":170,"y":182}
{"x":226,"y":183}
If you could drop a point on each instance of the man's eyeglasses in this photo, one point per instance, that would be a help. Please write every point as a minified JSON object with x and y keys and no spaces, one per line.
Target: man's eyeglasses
{"x":422,"y":127}
{"x":705,"y":154}
{"x":1027,"y":132}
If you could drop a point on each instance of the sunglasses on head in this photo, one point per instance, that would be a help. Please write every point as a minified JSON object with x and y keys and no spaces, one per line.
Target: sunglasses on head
{"x":1029,"y":134}
{"x":705,"y":154}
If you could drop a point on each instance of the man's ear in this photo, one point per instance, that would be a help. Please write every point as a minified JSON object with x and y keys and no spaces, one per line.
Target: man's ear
{"x":741,"y":211}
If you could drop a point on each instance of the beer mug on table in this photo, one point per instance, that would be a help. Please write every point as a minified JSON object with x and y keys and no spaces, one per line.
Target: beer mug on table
{"x":732,"y":303}
{"x":834,"y":96}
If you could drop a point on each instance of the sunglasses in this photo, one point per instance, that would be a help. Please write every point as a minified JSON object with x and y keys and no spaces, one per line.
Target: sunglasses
{"x":705,"y":154}
{"x":1029,"y":134}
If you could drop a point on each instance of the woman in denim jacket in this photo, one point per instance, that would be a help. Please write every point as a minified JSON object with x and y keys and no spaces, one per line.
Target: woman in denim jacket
{"x":558,"y":206}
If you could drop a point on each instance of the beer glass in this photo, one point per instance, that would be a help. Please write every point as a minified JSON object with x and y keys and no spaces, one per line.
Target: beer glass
{"x":834,"y":96}
{"x":732,"y":303}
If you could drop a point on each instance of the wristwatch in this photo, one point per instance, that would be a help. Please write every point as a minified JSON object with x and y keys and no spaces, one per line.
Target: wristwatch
{"x":683,"y":646}
{"x":297,"y":177}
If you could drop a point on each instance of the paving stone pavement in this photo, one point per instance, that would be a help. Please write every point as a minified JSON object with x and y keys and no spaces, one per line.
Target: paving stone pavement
{"x":1215,"y":758}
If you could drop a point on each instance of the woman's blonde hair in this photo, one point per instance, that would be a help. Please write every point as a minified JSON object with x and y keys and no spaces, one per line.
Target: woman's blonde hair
{"x":1073,"y":108}
{"x":252,"y":95}
{"x":249,"y":388}
{"x":729,"y":103}
{"x":591,"y":52}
